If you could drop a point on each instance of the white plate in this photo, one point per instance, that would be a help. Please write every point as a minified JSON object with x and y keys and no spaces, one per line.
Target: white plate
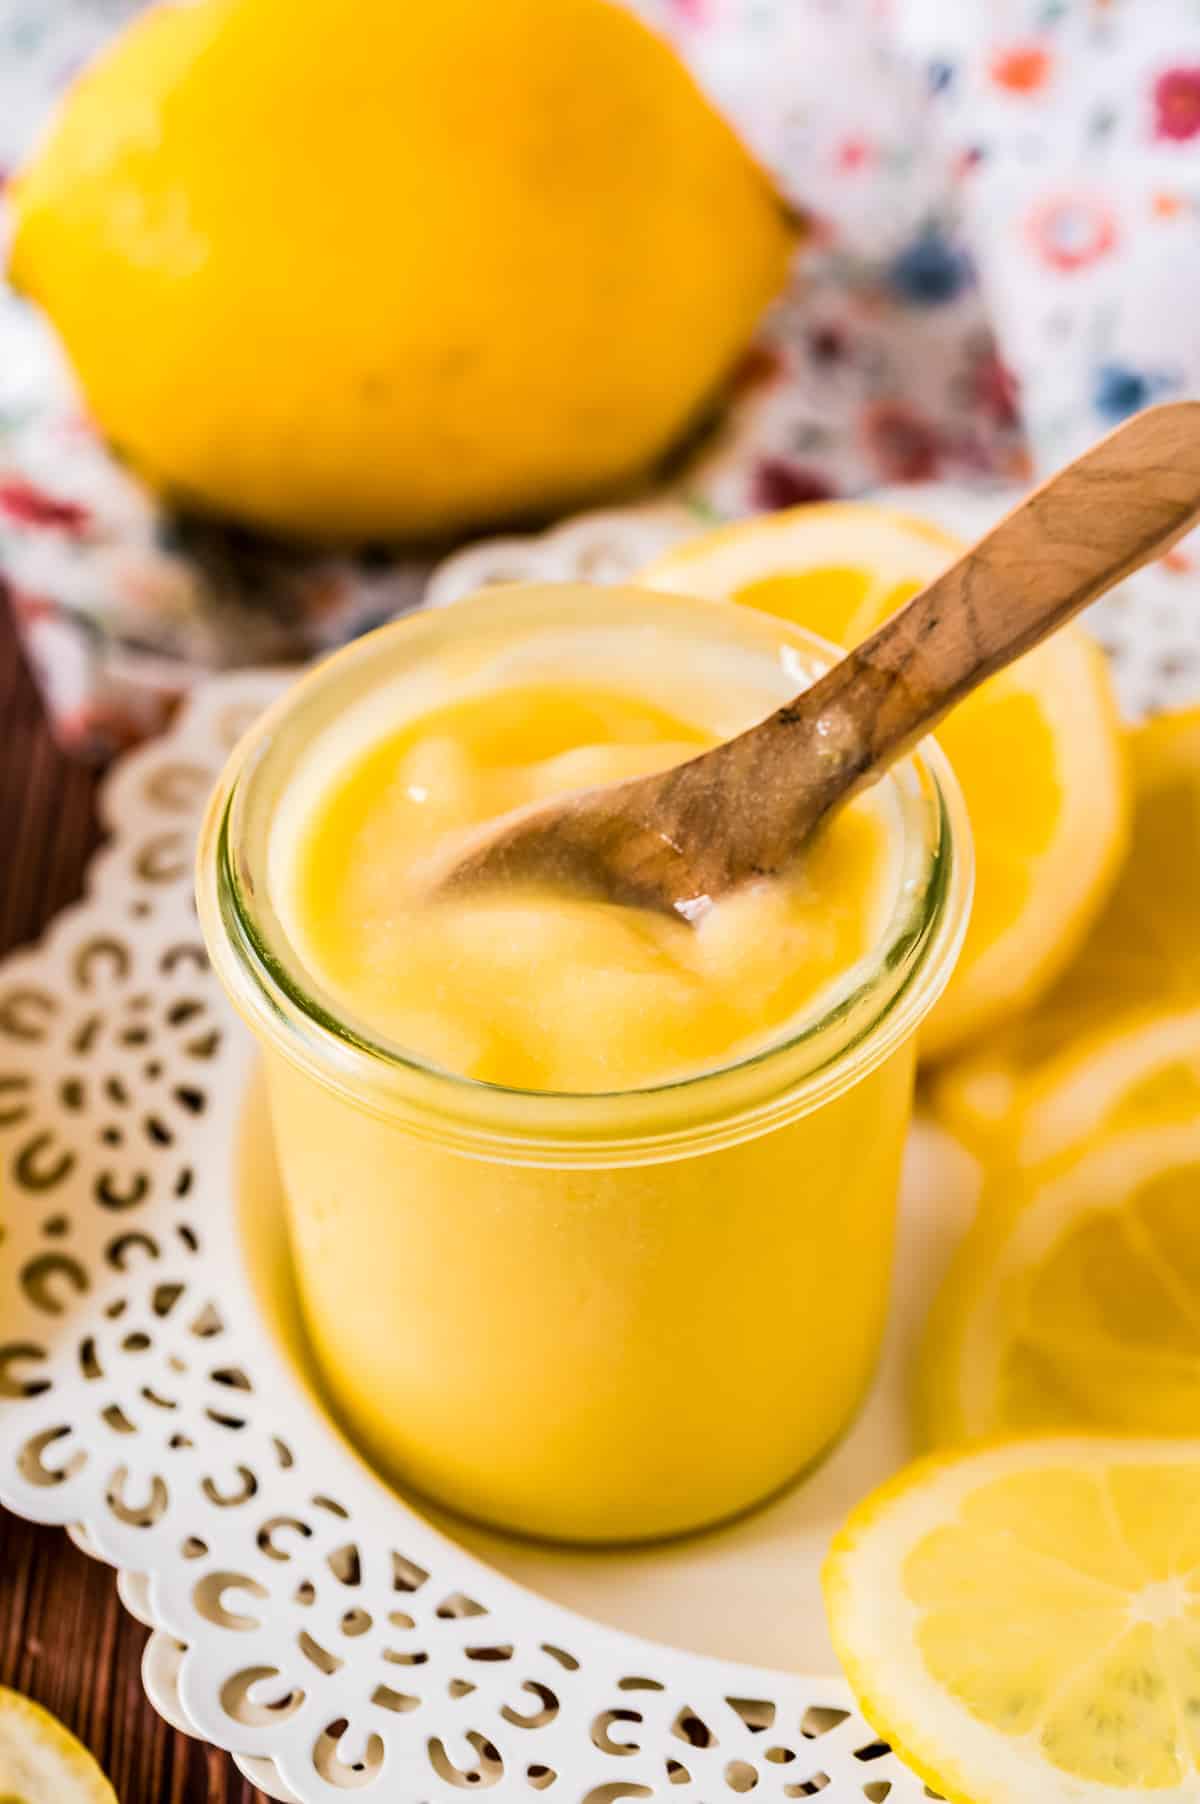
{"x":154,"y":1400}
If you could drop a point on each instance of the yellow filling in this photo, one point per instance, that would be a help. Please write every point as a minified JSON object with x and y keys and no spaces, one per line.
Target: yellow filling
{"x":545,"y":990}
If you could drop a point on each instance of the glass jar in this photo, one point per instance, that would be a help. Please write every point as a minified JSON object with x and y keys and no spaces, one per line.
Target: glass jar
{"x":588,"y":1318}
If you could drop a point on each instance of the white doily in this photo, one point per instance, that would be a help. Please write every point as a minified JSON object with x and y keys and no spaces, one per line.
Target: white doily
{"x":305,"y":1618}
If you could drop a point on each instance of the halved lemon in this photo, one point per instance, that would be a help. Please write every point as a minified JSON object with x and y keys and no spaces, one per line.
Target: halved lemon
{"x":41,"y":1762}
{"x":1142,"y":952}
{"x":1022,"y":1623}
{"x":1037,"y":750}
{"x":1074,"y":1300}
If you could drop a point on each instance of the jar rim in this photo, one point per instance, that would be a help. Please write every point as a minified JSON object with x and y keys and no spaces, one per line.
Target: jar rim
{"x":902,"y":973}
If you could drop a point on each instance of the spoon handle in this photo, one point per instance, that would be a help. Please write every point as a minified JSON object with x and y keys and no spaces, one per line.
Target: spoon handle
{"x":680,"y":838}
{"x":1125,"y":501}
{"x":1122,"y":503}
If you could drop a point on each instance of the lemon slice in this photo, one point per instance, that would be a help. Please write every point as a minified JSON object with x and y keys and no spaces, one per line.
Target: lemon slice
{"x":1022,"y":1623}
{"x":1074,"y":1300}
{"x":41,"y":1762}
{"x":1143,"y":951}
{"x":1037,"y":750}
{"x":1142,"y":1072}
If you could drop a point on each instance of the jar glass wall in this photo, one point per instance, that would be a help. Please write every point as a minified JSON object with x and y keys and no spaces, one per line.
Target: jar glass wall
{"x":602,"y":1317}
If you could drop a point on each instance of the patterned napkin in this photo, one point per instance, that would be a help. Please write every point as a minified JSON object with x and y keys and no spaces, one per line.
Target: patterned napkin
{"x":1004,"y":261}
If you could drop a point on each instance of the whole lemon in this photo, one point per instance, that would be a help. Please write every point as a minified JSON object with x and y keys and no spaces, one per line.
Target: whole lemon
{"x":394,"y":268}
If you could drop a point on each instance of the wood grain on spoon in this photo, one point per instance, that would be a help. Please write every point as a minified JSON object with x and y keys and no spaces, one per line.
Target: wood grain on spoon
{"x":681,"y":838}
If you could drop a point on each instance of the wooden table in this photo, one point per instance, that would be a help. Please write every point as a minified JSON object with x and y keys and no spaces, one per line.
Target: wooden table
{"x":64,"y":1638}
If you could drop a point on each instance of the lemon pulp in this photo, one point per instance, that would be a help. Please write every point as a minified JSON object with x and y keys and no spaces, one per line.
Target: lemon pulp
{"x":1037,"y":748}
{"x":1023,"y":1621}
{"x":1142,"y":953}
{"x":41,"y":1760}
{"x":1074,"y":1300}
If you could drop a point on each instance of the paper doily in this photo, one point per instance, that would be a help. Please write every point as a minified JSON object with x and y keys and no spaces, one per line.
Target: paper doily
{"x":305,"y":1618}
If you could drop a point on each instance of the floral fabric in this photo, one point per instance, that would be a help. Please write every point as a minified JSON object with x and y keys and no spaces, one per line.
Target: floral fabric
{"x":1002,"y":261}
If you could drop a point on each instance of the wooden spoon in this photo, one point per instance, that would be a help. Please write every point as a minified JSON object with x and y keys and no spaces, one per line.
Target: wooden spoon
{"x":677,"y":840}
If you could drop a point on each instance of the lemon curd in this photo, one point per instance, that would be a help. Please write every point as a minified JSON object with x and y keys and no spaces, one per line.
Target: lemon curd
{"x":591,"y":1210}
{"x":553,"y":991}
